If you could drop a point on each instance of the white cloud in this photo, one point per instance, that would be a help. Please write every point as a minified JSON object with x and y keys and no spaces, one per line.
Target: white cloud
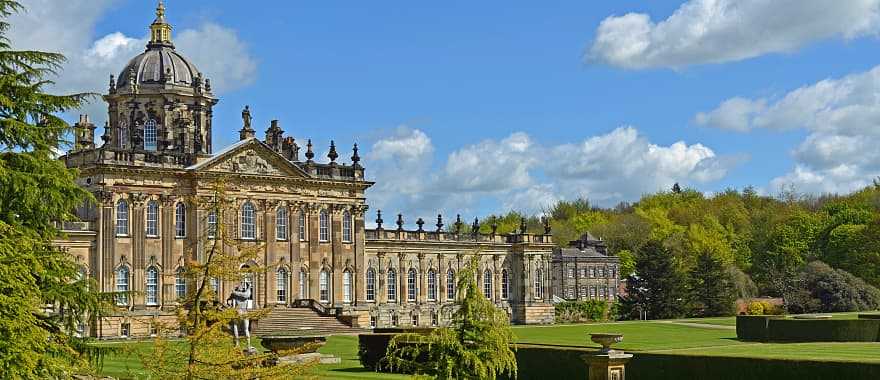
{"x":842,"y":118}
{"x":515,"y":173}
{"x":68,"y":27}
{"x":715,"y":31}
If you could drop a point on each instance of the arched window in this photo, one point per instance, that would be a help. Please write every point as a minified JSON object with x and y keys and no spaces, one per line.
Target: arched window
{"x":122,"y":218}
{"x":346,"y":227}
{"x":324,"y":226}
{"x":180,"y":283}
{"x":302,"y":225}
{"x":539,"y":283}
{"x":152,"y":288}
{"x":371,"y":284}
{"x":346,"y":286}
{"x":432,"y":285}
{"x":392,"y":285}
{"x":487,"y":283}
{"x":152,"y":218}
{"x":180,"y":220}
{"x":412,"y":287}
{"x":281,"y":223}
{"x":281,"y":285}
{"x":450,"y":284}
{"x":303,"y":284}
{"x":505,"y":284}
{"x":150,"y":135}
{"x":212,"y":224}
{"x":325,"y":286}
{"x":248,"y":222}
{"x":123,"y":134}
{"x":122,"y":286}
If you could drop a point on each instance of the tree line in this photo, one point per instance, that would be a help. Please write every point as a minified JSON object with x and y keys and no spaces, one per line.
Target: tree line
{"x":686,"y":253}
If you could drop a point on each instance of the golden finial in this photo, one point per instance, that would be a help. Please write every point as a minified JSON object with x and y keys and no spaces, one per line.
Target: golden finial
{"x":160,"y":31}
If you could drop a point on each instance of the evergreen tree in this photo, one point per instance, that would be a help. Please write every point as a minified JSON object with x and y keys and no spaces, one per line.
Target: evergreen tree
{"x":657,"y":287}
{"x":36,"y":192}
{"x":476,"y":344}
{"x":712,"y":288}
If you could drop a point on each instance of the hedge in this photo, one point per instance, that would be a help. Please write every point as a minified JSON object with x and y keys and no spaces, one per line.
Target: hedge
{"x":834,"y":330}
{"x":565,"y":362}
{"x":768,"y":328}
{"x":869,"y":316}
{"x":753,"y":327}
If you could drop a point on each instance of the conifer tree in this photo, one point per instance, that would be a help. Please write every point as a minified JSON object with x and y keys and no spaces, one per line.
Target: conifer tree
{"x":711,"y":288}
{"x":475,"y":345}
{"x":43,"y":294}
{"x":657,"y":288}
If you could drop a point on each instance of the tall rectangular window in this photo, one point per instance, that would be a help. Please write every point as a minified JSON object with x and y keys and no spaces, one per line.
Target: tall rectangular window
{"x":180,"y":283}
{"x":432,"y":285}
{"x":150,"y":135}
{"x":411,"y":285}
{"x":346,"y":286}
{"x":122,"y":218}
{"x":302,"y":225}
{"x":303,"y":285}
{"x":212,"y":224}
{"x":371,"y":284}
{"x":248,"y":221}
{"x":346,"y":227}
{"x":152,"y":288}
{"x":281,"y":223}
{"x":392,"y":285}
{"x":122,"y":286}
{"x":325,"y":286}
{"x":152,"y":219}
{"x":324,"y":226}
{"x":180,"y":220}
{"x":281,"y":285}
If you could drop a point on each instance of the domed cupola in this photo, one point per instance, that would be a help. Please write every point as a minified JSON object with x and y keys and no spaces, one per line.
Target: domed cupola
{"x":160,"y":66}
{"x":160,"y":108}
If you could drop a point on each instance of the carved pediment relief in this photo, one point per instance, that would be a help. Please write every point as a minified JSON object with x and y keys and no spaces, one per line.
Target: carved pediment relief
{"x":246,"y":161}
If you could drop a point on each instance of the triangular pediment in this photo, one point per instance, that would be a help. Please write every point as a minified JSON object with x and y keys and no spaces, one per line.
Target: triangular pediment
{"x":250,"y":156}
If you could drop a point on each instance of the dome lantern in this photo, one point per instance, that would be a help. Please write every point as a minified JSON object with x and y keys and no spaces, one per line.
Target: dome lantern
{"x":160,"y":30}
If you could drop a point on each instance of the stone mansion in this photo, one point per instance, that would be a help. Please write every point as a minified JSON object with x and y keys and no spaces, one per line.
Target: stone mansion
{"x":306,"y":218}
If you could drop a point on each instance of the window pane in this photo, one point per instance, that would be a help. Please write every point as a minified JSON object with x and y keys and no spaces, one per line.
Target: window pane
{"x":248,"y":224}
{"x":324,"y":226}
{"x":281,"y":224}
{"x":150,"y":135}
{"x":152,"y":218}
{"x":371,"y":285}
{"x":122,"y":218}
{"x":346,"y":286}
{"x":180,"y":220}
{"x":281,"y":285}
{"x":346,"y":227}
{"x":325,"y":286}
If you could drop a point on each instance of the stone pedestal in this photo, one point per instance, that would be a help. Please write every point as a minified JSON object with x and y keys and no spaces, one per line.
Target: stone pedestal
{"x":608,"y":365}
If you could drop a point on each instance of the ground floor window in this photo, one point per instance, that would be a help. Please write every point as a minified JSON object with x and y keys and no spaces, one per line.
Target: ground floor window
{"x":125,"y":330}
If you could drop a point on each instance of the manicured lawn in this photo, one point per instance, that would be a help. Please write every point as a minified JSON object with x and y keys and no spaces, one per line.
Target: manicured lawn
{"x":704,"y":336}
{"x":637,"y":336}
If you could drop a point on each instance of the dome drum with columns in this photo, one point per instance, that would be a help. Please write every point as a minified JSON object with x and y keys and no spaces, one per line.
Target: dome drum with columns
{"x":306,"y":217}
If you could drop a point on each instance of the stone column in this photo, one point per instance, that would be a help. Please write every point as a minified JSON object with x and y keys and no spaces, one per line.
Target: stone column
{"x":496,"y":280}
{"x":421,"y":280}
{"x":441,"y":280}
{"x":381,"y":277}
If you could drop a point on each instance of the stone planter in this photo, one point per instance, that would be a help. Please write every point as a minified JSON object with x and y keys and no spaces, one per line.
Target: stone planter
{"x":606,"y":340}
{"x":280,"y":344}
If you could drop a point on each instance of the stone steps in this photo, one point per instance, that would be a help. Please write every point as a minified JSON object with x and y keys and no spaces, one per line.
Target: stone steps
{"x":295,"y":321}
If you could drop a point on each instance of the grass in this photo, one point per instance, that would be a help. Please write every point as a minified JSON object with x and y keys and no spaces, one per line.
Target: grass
{"x":697,"y":336}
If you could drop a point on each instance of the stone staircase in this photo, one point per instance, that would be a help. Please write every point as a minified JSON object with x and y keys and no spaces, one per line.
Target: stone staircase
{"x":301,"y":321}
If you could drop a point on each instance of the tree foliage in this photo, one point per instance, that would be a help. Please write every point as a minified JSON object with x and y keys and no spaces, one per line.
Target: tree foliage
{"x":825,"y":289}
{"x":657,"y":288}
{"x":43,"y":295}
{"x":712,"y":288}
{"x":475,"y":345}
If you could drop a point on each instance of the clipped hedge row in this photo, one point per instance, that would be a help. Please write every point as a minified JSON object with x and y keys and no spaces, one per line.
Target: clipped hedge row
{"x":769,"y":328}
{"x":564,"y":362}
{"x":753,"y":327}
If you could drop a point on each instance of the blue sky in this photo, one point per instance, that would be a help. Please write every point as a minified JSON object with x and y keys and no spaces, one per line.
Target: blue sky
{"x":480,"y":107}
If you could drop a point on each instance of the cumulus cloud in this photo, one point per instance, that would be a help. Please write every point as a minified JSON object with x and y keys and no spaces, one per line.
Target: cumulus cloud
{"x":715,"y":31}
{"x":68,"y":27}
{"x":842,"y":118}
{"x":505,"y":173}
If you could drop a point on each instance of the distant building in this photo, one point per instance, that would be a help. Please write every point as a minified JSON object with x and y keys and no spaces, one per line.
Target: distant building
{"x":584,"y":270}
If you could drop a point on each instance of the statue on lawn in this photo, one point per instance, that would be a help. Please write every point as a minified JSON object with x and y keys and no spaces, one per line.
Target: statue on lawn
{"x":242,"y":300}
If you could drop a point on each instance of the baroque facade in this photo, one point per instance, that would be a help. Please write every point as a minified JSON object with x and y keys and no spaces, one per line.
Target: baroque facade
{"x":156,"y":160}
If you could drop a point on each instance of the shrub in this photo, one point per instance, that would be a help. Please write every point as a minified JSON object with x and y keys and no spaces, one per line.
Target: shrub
{"x":825,"y":289}
{"x":581,"y":311}
{"x":756,"y":308}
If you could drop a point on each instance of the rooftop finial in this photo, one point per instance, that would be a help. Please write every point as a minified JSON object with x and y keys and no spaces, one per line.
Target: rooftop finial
{"x":355,"y":158}
{"x":160,"y":30}
{"x":332,"y":155}
{"x":309,"y":153}
{"x":246,"y":131}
